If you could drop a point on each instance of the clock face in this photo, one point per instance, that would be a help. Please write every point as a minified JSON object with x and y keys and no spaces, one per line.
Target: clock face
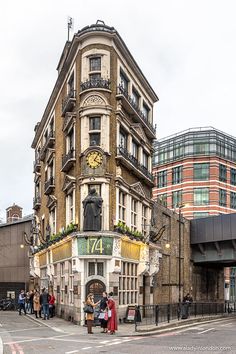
{"x":94,"y":159}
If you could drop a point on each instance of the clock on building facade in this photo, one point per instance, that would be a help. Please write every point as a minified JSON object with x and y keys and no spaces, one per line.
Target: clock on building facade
{"x":94,"y":159}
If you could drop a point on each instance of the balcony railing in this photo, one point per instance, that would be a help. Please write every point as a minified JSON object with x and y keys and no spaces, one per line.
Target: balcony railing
{"x":37,"y":165}
{"x":68,"y":102}
{"x":130,"y":158}
{"x":49,"y":185}
{"x":95,"y":83}
{"x":50,"y":141}
{"x":36,"y":203}
{"x":68,"y":121}
{"x":68,"y":160}
{"x":121,"y":91}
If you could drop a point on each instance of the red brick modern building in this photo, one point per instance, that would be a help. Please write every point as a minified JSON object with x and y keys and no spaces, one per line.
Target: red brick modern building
{"x":196,"y":168}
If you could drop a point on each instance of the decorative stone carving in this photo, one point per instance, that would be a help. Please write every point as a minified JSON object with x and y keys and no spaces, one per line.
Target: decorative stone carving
{"x":69,"y":183}
{"x":116,"y":247}
{"x":94,"y":100}
{"x":154,"y":257}
{"x":118,"y":171}
{"x":138,"y":188}
{"x":139,"y":130}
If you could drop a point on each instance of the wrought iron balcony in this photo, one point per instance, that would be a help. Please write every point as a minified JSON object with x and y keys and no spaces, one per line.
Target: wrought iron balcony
{"x":68,"y":103}
{"x":68,"y":160}
{"x":36,"y":202}
{"x":130,"y":159}
{"x":37,"y":165}
{"x":95,"y":83}
{"x":50,"y":141}
{"x":132,"y":107}
{"x":49,"y":185}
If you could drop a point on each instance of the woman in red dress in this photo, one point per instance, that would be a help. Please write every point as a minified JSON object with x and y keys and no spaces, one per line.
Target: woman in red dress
{"x":112,"y":320}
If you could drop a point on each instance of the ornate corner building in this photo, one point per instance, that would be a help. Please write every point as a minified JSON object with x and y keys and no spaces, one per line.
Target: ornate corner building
{"x":94,"y":142}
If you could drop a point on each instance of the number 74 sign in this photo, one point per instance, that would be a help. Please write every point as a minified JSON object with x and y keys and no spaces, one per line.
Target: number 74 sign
{"x":95,"y":245}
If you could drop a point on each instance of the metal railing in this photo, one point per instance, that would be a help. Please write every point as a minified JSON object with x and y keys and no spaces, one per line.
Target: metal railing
{"x":153,"y":315}
{"x":95,"y":83}
{"x":67,"y":102}
{"x":124,"y":152}
{"x":68,"y":157}
{"x":121,"y":91}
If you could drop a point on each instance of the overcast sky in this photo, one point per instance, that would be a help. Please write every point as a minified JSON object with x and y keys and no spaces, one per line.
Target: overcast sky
{"x":185,"y":48}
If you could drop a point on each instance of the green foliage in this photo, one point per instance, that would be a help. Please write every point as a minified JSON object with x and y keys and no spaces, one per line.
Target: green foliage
{"x":124,"y":229}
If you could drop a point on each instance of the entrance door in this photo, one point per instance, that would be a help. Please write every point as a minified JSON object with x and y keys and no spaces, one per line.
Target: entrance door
{"x":96,"y":287}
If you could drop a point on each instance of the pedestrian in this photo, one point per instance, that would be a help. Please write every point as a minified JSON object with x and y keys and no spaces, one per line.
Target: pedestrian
{"x":36,"y":304}
{"x":112,"y":320}
{"x":52,"y":305}
{"x":21,"y":302}
{"x":103,"y":312}
{"x":44,"y":301}
{"x":188,"y":298}
{"x":31,"y":301}
{"x":89,"y":310}
{"x":27,"y":302}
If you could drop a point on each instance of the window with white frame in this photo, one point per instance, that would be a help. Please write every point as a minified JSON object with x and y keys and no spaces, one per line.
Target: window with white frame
{"x":135,"y":150}
{"x":135,"y":97}
{"x":124,"y":81}
{"x":62,"y":281}
{"x":70,"y":207}
{"x":94,"y":131}
{"x":95,"y":64}
{"x":145,"y":160}
{"x":123,"y":139}
{"x":146,"y":111}
{"x":52,"y":220}
{"x":144,"y":220}
{"x":70,"y":141}
{"x":134,"y":214}
{"x":71,"y":283}
{"x":122,"y":206}
{"x":128,"y":284}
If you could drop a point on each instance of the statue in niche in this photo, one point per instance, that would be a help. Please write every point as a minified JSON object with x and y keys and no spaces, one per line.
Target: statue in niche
{"x":92,"y":211}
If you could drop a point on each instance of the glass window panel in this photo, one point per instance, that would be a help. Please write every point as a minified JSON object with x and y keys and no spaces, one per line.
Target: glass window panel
{"x":201,"y":196}
{"x":95,"y":64}
{"x":94,"y":123}
{"x":200,"y":171}
{"x":94,"y":139}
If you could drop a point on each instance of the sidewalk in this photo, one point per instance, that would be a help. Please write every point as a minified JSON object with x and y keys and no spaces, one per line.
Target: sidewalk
{"x":127,"y":330}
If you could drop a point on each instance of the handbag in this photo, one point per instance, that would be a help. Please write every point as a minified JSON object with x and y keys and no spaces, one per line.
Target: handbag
{"x":88,"y":309}
{"x":101,"y":315}
{"x":106,"y":316}
{"x":109,"y":313}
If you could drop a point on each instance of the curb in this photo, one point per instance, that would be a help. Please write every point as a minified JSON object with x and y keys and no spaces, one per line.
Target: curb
{"x":171,"y":327}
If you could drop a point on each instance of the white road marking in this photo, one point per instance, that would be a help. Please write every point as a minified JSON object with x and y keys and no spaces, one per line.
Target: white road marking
{"x":85,"y":348}
{"x":226,"y":324}
{"x":206,"y":330}
{"x":99,"y":346}
{"x":33,"y":320}
{"x":37,"y":339}
{"x":1,"y":346}
{"x":114,"y":343}
{"x":21,"y":330}
{"x":105,"y":341}
{"x":73,"y":351}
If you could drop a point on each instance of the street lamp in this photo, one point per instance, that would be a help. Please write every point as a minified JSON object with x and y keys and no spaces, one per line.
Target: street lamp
{"x":180,"y":245}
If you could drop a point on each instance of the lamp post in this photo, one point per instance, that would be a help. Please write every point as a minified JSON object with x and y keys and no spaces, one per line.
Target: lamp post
{"x":180,"y":245}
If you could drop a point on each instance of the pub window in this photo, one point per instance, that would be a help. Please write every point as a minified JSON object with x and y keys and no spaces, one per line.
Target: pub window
{"x":91,"y":268}
{"x":128,"y":284}
{"x":100,"y":268}
{"x":71,"y":283}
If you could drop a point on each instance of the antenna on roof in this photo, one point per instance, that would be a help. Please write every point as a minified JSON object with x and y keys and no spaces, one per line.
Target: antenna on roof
{"x":70,"y":26}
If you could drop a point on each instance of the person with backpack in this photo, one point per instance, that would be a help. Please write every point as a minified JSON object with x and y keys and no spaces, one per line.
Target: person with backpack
{"x":21,"y":302}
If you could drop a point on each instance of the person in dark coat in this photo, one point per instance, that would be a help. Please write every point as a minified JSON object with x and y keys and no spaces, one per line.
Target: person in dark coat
{"x":44,"y":301}
{"x":92,"y":211}
{"x":103,"y":311}
{"x":21,"y":302}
